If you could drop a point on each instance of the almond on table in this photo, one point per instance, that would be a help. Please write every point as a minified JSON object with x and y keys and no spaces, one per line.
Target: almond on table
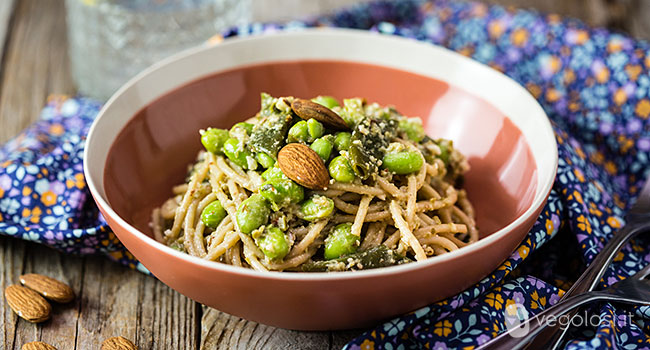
{"x":27,"y":304}
{"x":37,"y":345}
{"x":118,"y":343}
{"x":48,"y":287}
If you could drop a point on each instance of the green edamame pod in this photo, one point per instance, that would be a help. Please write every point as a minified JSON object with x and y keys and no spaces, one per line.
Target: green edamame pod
{"x":412,"y":128}
{"x":403,"y":162}
{"x":327,"y":101}
{"x":315,"y":129}
{"x":235,"y":150}
{"x":316,"y":208}
{"x":299,"y":132}
{"x":252,"y":213}
{"x":212,"y":214}
{"x":213,"y":140}
{"x":342,"y":141}
{"x":340,"y":241}
{"x":265,"y":160}
{"x":340,"y":169}
{"x":280,"y":192}
{"x":323,"y":146}
{"x":273,"y":243}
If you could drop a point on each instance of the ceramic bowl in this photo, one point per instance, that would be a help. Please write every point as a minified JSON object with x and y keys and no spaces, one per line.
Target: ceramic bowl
{"x":146,"y":135}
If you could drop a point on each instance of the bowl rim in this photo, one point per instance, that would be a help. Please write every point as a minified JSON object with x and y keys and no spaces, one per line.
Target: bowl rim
{"x":541,"y":195}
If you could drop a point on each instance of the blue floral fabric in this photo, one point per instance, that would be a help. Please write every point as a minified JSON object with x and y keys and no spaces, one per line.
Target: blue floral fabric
{"x":593,"y":84}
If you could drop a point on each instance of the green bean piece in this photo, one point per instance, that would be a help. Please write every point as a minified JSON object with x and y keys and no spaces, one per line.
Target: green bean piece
{"x":252,"y":213}
{"x":212,"y":214}
{"x":342,"y":141}
{"x":340,"y":169}
{"x":238,"y":154}
{"x":265,"y":160}
{"x":403,"y":162}
{"x":299,"y":132}
{"x":412,"y":128}
{"x":340,"y":241}
{"x":213,"y":140}
{"x":323,"y":146}
{"x":315,"y":129}
{"x":316,"y":208}
{"x":327,"y":101}
{"x":273,"y":243}
{"x":241,"y":128}
{"x":280,"y":193}
{"x":274,"y":172}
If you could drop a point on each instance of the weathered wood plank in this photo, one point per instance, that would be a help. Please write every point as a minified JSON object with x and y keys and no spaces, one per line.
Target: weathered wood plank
{"x":12,"y":252}
{"x":35,"y":64}
{"x":6,"y":12}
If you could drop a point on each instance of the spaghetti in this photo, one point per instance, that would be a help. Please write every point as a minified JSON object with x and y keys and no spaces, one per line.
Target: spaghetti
{"x":392,"y":197}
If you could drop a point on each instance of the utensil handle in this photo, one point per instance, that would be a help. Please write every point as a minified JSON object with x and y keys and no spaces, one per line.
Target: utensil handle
{"x":512,"y":340}
{"x":552,"y":337}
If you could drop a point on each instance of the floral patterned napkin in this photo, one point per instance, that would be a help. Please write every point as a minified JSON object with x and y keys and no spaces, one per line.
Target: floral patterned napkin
{"x":594,"y":85}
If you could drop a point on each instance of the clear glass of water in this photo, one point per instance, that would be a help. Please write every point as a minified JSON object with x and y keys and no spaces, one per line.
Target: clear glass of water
{"x":110,"y":41}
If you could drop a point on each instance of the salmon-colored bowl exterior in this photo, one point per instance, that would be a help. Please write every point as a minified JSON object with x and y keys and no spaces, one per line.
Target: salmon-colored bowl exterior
{"x":147,"y":133}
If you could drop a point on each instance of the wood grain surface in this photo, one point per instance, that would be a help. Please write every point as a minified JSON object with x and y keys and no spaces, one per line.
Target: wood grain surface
{"x":113,"y":300}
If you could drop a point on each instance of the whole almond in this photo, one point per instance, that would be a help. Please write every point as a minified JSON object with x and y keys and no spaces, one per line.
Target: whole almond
{"x":307,"y":109}
{"x":27,"y":303}
{"x":48,"y":287}
{"x":304,"y":166}
{"x":37,"y":345}
{"x":118,"y":343}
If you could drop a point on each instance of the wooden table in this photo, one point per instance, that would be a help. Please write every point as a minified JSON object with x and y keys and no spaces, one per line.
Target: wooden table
{"x":113,"y":300}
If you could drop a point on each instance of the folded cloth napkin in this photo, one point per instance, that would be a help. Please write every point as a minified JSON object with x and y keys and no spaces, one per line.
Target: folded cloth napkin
{"x":593,"y":84}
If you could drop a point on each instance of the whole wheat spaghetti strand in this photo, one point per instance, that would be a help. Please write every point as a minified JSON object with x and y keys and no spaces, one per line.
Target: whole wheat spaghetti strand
{"x":465,"y":204}
{"x":410,"y":203}
{"x":360,"y":189}
{"x":188,"y":229}
{"x":350,"y":197}
{"x":374,"y":236}
{"x":370,"y":217}
{"x":314,"y":232}
{"x":451,"y":237}
{"x":229,"y":240}
{"x":471,"y":226}
{"x":426,"y":219}
{"x":345,"y":206}
{"x":196,"y":178}
{"x":441,"y":228}
{"x":432,"y":170}
{"x":406,"y":235}
{"x":330,"y":193}
{"x":430,"y":192}
{"x":218,"y":235}
{"x":390,"y":188}
{"x":361,"y":216}
{"x":205,"y":201}
{"x":290,"y":262}
{"x":199,"y":240}
{"x":439,"y":241}
{"x":232,"y":174}
{"x":236,"y":254}
{"x":180,"y":189}
{"x":392,"y":240}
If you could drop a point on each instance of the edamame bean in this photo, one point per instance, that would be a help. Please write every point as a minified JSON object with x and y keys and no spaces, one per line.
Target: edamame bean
{"x":213,"y":140}
{"x":342,"y":141}
{"x":412,"y":128}
{"x":265,"y":160}
{"x":323,"y":146}
{"x":273,"y":243}
{"x":235,"y":150}
{"x":243,"y":127}
{"x":403,"y":162}
{"x":212,"y":214}
{"x":340,"y":169}
{"x":327,"y":101}
{"x":316,"y":208}
{"x":280,"y":192}
{"x":315,"y":129}
{"x":252,"y":213}
{"x":341,"y":241}
{"x":273,"y":172}
{"x":299,"y":132}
